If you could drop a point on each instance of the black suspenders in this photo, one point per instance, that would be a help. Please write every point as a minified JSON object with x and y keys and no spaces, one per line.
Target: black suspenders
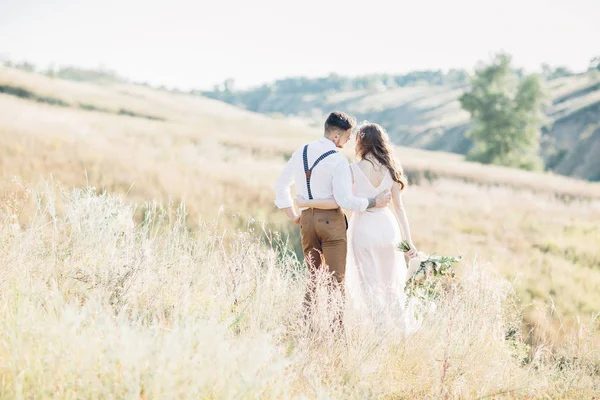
{"x":308,"y":171}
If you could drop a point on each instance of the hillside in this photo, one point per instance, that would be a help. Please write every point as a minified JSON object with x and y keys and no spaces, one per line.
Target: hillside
{"x":538,"y":230}
{"x":429,"y":117}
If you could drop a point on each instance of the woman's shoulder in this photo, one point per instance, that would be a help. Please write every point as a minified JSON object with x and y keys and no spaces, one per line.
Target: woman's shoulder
{"x":363,"y":164}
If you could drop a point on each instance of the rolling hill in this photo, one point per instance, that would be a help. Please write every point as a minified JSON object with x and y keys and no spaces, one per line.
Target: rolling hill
{"x":95,"y":306}
{"x":538,"y":230}
{"x":430,"y":117}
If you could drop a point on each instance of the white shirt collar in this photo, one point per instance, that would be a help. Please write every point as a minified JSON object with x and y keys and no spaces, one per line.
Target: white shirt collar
{"x":328,"y":144}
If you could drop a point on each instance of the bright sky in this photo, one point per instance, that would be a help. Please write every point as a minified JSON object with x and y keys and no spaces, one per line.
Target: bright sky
{"x":198,"y":43}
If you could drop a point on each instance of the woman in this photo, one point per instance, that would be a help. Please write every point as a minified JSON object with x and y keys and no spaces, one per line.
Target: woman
{"x":375,"y":268}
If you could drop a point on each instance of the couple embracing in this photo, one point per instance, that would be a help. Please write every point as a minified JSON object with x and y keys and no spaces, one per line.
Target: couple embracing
{"x":361,"y":254}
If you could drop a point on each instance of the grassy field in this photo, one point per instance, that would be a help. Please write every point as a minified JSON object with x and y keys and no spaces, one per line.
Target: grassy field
{"x":94,"y":305}
{"x":202,"y":153}
{"x":539,"y":232}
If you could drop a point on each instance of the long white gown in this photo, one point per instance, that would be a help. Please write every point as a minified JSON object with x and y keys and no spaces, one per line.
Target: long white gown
{"x":375,"y":268}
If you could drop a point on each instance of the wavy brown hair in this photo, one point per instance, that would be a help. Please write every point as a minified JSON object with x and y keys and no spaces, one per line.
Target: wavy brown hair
{"x":371,"y":139}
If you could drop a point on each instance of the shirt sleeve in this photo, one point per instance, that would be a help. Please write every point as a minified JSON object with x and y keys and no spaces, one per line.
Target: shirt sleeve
{"x":342,"y":188}
{"x":283,"y":198}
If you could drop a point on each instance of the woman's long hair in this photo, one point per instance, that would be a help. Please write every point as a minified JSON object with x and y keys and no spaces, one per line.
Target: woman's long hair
{"x":371,"y":139}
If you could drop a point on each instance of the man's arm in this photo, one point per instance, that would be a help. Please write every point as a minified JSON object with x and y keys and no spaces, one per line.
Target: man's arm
{"x":324,"y":204}
{"x":283,"y":198}
{"x":342,"y":191}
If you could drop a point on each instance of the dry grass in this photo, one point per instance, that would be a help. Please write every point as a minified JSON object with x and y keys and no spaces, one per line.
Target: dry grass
{"x":423,"y":165}
{"x":187,"y":157}
{"x":94,"y":305}
{"x":536,"y":230}
{"x":547,"y":247}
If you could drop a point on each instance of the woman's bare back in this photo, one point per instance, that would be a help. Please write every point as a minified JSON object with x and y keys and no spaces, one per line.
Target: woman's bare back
{"x":373,"y":171}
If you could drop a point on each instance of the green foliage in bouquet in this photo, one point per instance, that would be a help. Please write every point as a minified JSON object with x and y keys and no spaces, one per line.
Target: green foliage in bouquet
{"x":423,"y":282}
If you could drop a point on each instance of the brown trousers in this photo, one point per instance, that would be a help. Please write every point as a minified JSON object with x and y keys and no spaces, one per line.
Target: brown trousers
{"x":324,"y":244}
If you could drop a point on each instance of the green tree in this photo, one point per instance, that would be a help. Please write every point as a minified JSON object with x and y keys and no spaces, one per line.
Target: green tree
{"x":507,"y":111}
{"x":549,"y":73}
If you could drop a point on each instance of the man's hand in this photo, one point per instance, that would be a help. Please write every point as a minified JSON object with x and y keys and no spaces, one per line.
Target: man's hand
{"x":291,"y":214}
{"x":383,"y":199}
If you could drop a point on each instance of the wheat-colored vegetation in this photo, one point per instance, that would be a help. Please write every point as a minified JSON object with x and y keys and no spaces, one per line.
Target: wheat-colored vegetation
{"x":95,"y":305}
{"x":100,"y":299}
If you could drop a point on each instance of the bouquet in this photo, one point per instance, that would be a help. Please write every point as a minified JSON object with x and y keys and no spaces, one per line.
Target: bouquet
{"x":429,"y":266}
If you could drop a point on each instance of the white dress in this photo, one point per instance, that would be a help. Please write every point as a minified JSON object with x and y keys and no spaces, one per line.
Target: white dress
{"x":375,"y":268}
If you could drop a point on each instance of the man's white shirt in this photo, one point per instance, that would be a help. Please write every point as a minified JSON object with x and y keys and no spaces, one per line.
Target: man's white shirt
{"x":331,"y":178}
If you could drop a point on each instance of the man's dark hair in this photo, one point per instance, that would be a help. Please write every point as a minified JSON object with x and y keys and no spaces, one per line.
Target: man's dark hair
{"x":338,"y":120}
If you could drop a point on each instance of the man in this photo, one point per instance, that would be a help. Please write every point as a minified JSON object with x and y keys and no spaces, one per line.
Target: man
{"x":320,"y":172}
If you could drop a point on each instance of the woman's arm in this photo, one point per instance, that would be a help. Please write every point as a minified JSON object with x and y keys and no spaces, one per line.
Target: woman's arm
{"x":402,"y":218}
{"x":328,"y":204}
